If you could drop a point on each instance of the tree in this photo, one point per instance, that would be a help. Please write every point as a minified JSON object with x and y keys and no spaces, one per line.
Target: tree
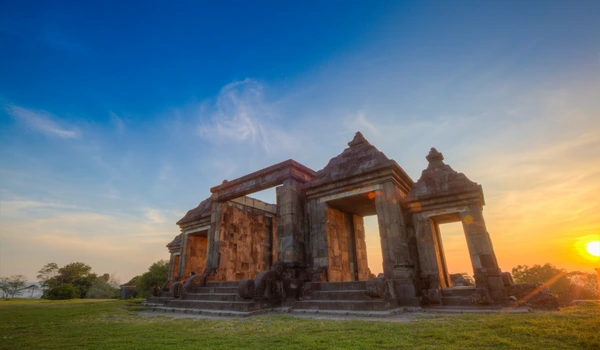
{"x":583,"y":285}
{"x":157,"y":275}
{"x":32,"y":289}
{"x":77,"y":274}
{"x":556,"y":278}
{"x":13,"y":286}
{"x":63,"y":292}
{"x":46,"y":275}
{"x":104,"y":287}
{"x":567,"y":286}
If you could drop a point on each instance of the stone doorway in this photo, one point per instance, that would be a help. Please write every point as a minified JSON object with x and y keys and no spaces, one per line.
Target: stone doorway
{"x":346,"y":241}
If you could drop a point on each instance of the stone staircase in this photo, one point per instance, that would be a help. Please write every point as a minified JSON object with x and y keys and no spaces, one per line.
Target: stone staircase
{"x":342,"y":296}
{"x":457,"y":296}
{"x":216,"y":298}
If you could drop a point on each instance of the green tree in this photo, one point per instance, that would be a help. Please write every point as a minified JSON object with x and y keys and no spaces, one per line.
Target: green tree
{"x":77,"y":274}
{"x":583,"y":285}
{"x":104,"y":287}
{"x":557,"y":279}
{"x":13,"y":286}
{"x":46,"y":276}
{"x":157,"y":275}
{"x":63,"y":292}
{"x":134,"y":281}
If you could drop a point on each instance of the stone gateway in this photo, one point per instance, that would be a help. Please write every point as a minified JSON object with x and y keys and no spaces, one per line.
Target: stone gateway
{"x":308,"y":251}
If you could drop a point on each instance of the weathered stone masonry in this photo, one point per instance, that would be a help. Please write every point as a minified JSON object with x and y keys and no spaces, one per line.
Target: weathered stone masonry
{"x":292,"y":251}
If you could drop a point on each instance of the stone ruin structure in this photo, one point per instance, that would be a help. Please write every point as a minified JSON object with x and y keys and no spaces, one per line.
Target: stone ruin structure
{"x":236,"y":254}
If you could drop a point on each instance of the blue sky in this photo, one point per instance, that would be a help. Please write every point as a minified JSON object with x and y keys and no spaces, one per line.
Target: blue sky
{"x":116,"y":118}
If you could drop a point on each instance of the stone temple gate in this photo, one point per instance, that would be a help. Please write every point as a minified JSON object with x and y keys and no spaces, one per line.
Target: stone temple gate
{"x":308,"y":251}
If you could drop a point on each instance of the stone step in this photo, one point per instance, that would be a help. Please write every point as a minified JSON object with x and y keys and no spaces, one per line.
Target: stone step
{"x":353,"y":285}
{"x":342,"y":295}
{"x":343,"y":313}
{"x":355,"y":305}
{"x":229,"y":284}
{"x":243,"y":306}
{"x":159,"y":300}
{"x":200,"y":312}
{"x":456,"y":301}
{"x":462,"y":291}
{"x":230,"y":290}
{"x":473,"y":309}
{"x":214,"y":296}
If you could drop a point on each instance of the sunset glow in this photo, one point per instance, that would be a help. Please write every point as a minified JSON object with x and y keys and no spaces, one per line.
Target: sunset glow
{"x":594,"y":248}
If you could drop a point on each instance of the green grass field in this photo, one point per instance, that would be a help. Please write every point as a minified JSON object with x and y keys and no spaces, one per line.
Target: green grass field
{"x":116,"y":324}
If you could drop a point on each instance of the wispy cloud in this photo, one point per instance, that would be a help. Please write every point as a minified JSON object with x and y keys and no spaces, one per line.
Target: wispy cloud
{"x":43,"y":122}
{"x":241,"y":114}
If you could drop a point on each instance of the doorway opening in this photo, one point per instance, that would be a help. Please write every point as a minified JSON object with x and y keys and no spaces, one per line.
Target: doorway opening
{"x":456,"y":254}
{"x":373,"y":241}
{"x":346,"y":236}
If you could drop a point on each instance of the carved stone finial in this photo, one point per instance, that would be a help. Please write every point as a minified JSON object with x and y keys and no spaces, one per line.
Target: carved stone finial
{"x":357,"y":140}
{"x":434,"y":155}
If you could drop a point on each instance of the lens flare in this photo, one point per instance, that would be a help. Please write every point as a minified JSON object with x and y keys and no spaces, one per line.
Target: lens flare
{"x":593,"y":248}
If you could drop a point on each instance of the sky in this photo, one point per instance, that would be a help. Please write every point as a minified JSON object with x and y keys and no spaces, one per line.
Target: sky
{"x":117,"y":117}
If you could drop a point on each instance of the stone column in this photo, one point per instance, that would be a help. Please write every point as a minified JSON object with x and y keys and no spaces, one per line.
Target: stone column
{"x":318,"y":234}
{"x":268,"y":252}
{"x":430,"y":251}
{"x":290,"y":222}
{"x":182,"y":256}
{"x":214,"y":237}
{"x":483,"y":258}
{"x":362,"y":267}
{"x":398,"y":265}
{"x":172,"y":266}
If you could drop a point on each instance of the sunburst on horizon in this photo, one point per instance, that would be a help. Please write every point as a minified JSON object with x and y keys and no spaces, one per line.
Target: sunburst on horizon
{"x":593,"y":248}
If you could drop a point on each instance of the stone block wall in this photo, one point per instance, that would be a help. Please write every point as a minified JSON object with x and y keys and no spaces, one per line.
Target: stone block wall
{"x":195,"y":255}
{"x":338,"y":246}
{"x":246,"y":244}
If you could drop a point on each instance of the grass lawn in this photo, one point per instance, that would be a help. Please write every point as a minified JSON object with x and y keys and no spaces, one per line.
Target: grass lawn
{"x":115,"y":324}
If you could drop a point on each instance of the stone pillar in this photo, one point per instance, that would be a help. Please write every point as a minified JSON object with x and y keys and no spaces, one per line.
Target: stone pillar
{"x":268,"y":252}
{"x":172,"y":266}
{"x":290,"y":222}
{"x":182,"y":256}
{"x":318,"y":234}
{"x":398,"y":265}
{"x":431,"y":259}
{"x":362,"y":266}
{"x":214,"y":236}
{"x":483,"y":258}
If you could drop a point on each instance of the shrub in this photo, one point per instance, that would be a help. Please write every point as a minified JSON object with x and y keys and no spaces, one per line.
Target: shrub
{"x":63,"y":292}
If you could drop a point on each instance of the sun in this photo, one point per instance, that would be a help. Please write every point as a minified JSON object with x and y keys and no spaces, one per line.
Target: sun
{"x":593,"y":248}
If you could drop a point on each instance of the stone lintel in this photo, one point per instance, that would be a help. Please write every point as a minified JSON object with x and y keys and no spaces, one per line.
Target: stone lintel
{"x":263,"y":179}
{"x":446,"y":200}
{"x":353,"y":192}
{"x":256,"y":204}
{"x":377,"y":177}
{"x":444,"y":215}
{"x":204,"y":221}
{"x":197,"y":229}
{"x":175,"y":249}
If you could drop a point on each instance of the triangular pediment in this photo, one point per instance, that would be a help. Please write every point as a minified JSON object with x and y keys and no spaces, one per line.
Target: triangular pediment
{"x":359,"y":158}
{"x":440,"y":179}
